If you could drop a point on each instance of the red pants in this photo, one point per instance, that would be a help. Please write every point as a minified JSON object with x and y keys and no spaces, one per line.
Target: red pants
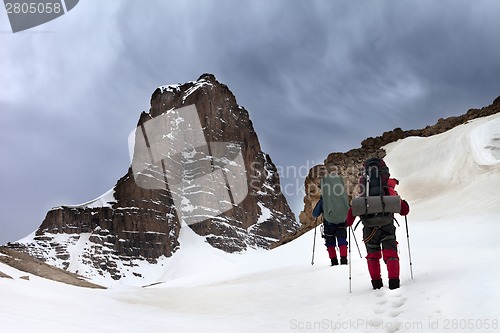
{"x":332,"y":253}
{"x":381,"y":243}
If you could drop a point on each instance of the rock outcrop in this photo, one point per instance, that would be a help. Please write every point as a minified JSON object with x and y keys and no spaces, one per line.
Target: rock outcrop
{"x":135,"y":221}
{"x":28,"y":264}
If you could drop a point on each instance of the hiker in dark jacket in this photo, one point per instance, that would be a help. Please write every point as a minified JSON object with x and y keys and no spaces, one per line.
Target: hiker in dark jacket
{"x":334,"y":234}
{"x":380,"y":242}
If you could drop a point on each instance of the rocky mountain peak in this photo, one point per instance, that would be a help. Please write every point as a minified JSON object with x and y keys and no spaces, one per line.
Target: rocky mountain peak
{"x":197,"y":164}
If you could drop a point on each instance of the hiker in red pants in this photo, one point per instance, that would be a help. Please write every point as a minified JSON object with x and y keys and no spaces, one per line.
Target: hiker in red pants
{"x":379,"y":231}
{"x":334,"y":234}
{"x":334,"y":205}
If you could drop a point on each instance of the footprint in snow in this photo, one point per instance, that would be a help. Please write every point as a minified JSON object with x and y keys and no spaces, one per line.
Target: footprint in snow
{"x":380,"y":301}
{"x":394,"y":314}
{"x":394,"y":300}
{"x":398,"y":303}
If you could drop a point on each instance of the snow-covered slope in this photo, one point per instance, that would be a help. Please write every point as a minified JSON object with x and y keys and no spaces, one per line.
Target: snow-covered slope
{"x":451,"y":181}
{"x":456,"y":173}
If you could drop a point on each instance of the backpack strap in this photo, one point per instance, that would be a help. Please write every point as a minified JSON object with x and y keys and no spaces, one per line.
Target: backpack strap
{"x":382,"y":192}
{"x":367,"y":187}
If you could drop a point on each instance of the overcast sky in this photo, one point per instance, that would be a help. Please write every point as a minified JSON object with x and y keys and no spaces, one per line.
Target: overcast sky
{"x":316,"y":76}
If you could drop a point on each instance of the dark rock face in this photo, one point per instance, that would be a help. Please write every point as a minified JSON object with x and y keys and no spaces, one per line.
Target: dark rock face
{"x":134,"y":222}
{"x":350,"y":163}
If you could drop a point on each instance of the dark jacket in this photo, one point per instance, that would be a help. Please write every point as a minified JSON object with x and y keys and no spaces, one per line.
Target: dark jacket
{"x":318,"y":209}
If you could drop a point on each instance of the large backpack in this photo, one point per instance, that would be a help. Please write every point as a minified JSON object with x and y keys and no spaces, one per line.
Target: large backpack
{"x":374,"y":206}
{"x":335,"y":201}
{"x":373,"y":180}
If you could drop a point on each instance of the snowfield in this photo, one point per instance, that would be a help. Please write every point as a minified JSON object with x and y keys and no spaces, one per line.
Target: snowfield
{"x":451,"y":181}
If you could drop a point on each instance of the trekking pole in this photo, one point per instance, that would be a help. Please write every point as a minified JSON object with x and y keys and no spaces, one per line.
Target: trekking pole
{"x":350,"y":275}
{"x":314,"y":241}
{"x":355,"y":241}
{"x":409,"y":253}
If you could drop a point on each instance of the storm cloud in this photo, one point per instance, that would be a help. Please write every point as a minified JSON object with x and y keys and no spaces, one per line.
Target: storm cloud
{"x":316,"y":76}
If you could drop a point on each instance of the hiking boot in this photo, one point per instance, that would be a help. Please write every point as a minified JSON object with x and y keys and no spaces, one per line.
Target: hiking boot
{"x":343,"y":260}
{"x":335,"y":261}
{"x":377,"y":284}
{"x":393,"y":284}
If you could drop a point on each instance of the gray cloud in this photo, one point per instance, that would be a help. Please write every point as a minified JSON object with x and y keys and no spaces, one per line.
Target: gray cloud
{"x":316,"y":76}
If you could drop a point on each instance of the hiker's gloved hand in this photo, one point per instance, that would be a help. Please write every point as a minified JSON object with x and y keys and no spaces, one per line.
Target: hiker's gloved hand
{"x":350,"y":218}
{"x":405,"y":208}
